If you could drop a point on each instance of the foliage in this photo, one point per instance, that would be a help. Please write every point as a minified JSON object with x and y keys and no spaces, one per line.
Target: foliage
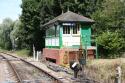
{"x":110,"y":25}
{"x":15,"y":36}
{"x":108,"y":14}
{"x":30,"y":29}
{"x":53,"y":8}
{"x":111,"y":16}
{"x":38,"y":12}
{"x":10,"y":35}
{"x":84,"y":7}
{"x":112,"y":43}
{"x":5,"y":28}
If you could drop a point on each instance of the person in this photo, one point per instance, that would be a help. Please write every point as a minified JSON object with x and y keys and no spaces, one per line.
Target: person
{"x":75,"y":66}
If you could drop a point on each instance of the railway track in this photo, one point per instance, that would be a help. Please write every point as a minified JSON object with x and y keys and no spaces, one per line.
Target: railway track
{"x":17,"y":78}
{"x":21,"y":67}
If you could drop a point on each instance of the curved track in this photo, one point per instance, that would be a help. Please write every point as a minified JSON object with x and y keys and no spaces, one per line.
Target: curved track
{"x":19,"y":80}
{"x":9,"y":58}
{"x":20,"y":65}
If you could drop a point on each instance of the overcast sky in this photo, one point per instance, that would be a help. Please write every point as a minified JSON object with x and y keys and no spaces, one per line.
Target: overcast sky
{"x":10,"y":8}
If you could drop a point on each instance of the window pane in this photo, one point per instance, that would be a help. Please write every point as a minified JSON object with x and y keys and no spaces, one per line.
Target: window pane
{"x":50,"y":31}
{"x":57,"y":31}
{"x":63,"y":30}
{"x":66,"y":29}
{"x":74,"y":30}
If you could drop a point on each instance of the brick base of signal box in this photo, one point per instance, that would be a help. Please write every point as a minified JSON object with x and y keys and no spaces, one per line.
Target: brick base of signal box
{"x":59,"y":56}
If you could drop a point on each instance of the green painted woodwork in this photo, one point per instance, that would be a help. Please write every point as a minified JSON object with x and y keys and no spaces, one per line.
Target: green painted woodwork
{"x":76,"y":46}
{"x":51,"y":36}
{"x":86,"y":35}
{"x":52,"y":46}
{"x":60,"y":35}
{"x":60,"y":38}
{"x":51,"y":33}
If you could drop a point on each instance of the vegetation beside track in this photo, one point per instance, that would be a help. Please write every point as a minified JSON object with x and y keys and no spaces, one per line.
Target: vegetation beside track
{"x":21,"y":53}
{"x":101,"y":70}
{"x":105,"y":69}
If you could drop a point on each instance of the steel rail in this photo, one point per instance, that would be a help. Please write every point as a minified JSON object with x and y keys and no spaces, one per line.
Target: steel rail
{"x":14,"y":70}
{"x":57,"y":80}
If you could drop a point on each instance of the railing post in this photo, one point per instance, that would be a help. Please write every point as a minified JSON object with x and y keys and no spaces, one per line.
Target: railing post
{"x":37,"y":55}
{"x":34,"y":54}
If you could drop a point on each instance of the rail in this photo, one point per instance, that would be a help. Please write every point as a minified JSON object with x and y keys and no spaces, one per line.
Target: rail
{"x":14,"y":70}
{"x":57,"y":80}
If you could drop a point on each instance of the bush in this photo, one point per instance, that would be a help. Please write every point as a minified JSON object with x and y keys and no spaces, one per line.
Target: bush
{"x":111,"y":43}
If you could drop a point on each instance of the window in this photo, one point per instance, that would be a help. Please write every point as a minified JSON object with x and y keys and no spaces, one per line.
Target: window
{"x":56,"y":31}
{"x":71,"y":29}
{"x":76,"y":29}
{"x":66,"y":29}
{"x":52,"y":31}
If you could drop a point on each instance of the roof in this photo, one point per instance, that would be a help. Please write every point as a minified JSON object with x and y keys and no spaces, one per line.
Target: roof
{"x":70,"y":17}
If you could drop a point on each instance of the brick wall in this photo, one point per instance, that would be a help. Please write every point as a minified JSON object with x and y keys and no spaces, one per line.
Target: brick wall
{"x":60,"y":57}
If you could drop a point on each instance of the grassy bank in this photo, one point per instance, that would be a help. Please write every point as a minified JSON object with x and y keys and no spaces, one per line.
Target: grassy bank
{"x":104,"y":70}
{"x":22,"y":52}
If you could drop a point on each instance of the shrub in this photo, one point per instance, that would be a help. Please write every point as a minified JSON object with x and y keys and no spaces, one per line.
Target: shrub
{"x":111,"y":43}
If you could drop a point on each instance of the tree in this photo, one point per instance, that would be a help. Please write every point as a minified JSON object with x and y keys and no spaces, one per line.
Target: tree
{"x":5,"y":29}
{"x":110,"y":24}
{"x":111,"y":16}
{"x":53,"y":8}
{"x":37,"y":12}
{"x":111,"y":42}
{"x":15,"y":36}
{"x":30,"y":28}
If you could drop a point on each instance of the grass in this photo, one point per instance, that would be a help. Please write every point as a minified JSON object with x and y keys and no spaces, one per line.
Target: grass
{"x":104,"y":70}
{"x":22,"y":53}
{"x":2,"y":50}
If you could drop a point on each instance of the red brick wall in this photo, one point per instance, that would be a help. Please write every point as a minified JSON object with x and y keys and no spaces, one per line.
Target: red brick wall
{"x":51,"y":53}
{"x":73,"y":55}
{"x":90,"y":54}
{"x":58,"y":54}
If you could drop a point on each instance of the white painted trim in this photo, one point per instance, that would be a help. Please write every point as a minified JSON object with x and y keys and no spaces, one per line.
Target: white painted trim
{"x":52,"y":41}
{"x":69,"y":40}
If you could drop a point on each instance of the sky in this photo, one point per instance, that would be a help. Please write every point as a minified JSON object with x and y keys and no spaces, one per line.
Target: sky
{"x":10,"y":9}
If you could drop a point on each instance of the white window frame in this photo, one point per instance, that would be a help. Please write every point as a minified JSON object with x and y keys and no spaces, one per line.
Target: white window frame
{"x":71,"y":29}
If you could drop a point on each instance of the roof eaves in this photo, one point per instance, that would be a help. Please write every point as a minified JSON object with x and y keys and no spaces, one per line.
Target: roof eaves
{"x":78,"y":21}
{"x":50,"y":23}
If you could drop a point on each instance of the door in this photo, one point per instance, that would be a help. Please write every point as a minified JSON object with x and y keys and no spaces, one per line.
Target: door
{"x":86,"y":35}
